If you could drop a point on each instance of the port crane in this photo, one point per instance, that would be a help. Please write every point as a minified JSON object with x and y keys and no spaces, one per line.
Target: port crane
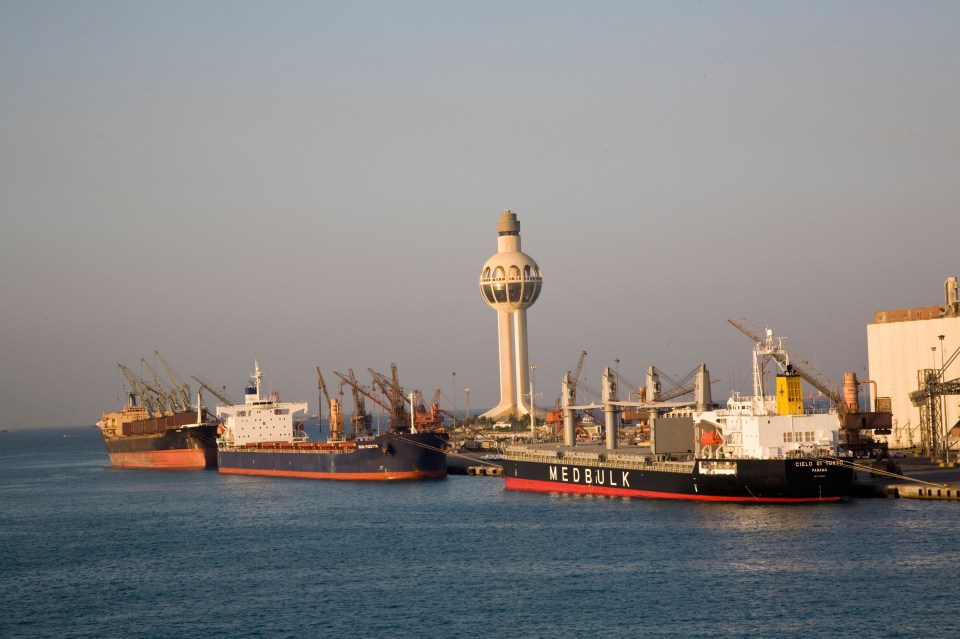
{"x":928,"y":399}
{"x":392,"y":399}
{"x":359,"y":392}
{"x":220,"y":393}
{"x":395,"y":396}
{"x":360,"y":419}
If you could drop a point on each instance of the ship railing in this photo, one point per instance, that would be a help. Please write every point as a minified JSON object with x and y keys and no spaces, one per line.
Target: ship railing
{"x":597,"y":459}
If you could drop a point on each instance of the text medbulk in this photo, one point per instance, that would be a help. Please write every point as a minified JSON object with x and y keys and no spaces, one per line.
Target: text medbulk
{"x":592,"y":476}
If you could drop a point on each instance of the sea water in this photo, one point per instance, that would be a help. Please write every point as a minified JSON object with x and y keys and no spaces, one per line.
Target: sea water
{"x":91,"y":551}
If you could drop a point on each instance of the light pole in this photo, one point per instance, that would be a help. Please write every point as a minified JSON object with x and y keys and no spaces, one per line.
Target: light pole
{"x":943,"y":409}
{"x":617,"y":362}
{"x":467,"y":392}
{"x":454,"y":376}
{"x":533,"y":411}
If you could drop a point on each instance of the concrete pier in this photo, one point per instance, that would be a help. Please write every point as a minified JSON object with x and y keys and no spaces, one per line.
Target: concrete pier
{"x":932,"y":480}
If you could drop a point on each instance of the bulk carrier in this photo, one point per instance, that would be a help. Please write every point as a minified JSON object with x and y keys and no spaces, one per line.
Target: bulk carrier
{"x":264,"y":436}
{"x":762,"y":449}
{"x":158,"y":429}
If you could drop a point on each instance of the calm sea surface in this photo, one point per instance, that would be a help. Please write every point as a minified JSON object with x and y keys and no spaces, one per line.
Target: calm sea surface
{"x":88,"y":551}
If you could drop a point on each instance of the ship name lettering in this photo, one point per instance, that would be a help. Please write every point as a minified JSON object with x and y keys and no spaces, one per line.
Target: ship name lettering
{"x":587,"y":476}
{"x":553,"y":473}
{"x":804,"y":463}
{"x":576,"y":475}
{"x":626,"y":481}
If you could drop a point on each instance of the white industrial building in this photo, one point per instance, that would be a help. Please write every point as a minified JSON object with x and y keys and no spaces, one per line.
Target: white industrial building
{"x":900,"y":344}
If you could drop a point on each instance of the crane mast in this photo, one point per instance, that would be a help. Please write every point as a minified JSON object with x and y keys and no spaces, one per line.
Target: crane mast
{"x":166,"y":400}
{"x":336,"y":416}
{"x":181,"y":389}
{"x":219,"y":393}
{"x":785,"y":357}
{"x":140,"y":389}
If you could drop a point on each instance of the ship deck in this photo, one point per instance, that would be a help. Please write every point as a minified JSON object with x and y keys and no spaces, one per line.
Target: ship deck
{"x":596,"y":454}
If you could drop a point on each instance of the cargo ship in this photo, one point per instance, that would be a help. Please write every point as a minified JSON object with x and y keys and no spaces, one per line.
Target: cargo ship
{"x":178,"y":440}
{"x":759,"y":449}
{"x":264,"y":436}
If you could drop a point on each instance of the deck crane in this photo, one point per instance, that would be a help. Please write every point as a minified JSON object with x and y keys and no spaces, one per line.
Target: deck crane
{"x":360,"y":391}
{"x":855,"y":426}
{"x":927,"y":399}
{"x":219,"y":393}
{"x":396,"y":398}
{"x":685,"y":386}
{"x":360,"y":419}
{"x":166,"y":400}
{"x":181,"y":389}
{"x":575,"y":376}
{"x":785,"y":357}
{"x":336,"y":416}
{"x":140,"y":389}
{"x":399,"y":419}
{"x":555,"y":416}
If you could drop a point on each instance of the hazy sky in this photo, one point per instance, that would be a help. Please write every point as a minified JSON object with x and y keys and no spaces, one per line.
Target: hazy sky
{"x":318,"y":183}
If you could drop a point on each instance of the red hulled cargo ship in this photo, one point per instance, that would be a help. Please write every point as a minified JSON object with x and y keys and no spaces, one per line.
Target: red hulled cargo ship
{"x":178,"y":440}
{"x":158,"y":428}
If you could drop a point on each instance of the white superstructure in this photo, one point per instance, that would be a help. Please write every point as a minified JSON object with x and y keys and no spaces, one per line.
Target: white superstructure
{"x":260,"y":419}
{"x":763,"y":426}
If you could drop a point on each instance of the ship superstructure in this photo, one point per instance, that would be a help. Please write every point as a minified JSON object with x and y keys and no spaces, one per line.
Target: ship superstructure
{"x":261,"y":419}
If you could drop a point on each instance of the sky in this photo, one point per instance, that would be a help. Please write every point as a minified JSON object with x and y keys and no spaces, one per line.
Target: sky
{"x":318,"y":184}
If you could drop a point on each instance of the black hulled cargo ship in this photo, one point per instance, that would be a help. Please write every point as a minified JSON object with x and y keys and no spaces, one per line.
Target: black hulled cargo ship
{"x":264,"y":436}
{"x":764,"y":449}
{"x":593,"y":470}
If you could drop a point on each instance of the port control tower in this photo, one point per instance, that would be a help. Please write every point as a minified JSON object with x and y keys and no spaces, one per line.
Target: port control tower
{"x":510,"y":282}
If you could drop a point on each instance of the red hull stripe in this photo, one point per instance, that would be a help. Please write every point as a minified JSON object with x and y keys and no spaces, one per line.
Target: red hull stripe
{"x":513,"y":483}
{"x":382,"y":476}
{"x":179,"y":458}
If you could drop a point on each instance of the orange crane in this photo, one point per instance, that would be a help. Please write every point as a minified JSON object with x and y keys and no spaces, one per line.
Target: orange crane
{"x":336,"y":416}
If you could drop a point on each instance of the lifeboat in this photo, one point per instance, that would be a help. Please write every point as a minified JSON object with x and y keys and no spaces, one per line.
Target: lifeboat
{"x":711,"y":438}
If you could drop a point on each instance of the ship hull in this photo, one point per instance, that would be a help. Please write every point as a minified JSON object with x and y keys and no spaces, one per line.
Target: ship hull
{"x":745,"y":480}
{"x":383,"y":458}
{"x":187,"y":447}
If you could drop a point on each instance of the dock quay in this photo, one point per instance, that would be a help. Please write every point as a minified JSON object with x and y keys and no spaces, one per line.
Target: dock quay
{"x":922,"y":479}
{"x":474,"y":464}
